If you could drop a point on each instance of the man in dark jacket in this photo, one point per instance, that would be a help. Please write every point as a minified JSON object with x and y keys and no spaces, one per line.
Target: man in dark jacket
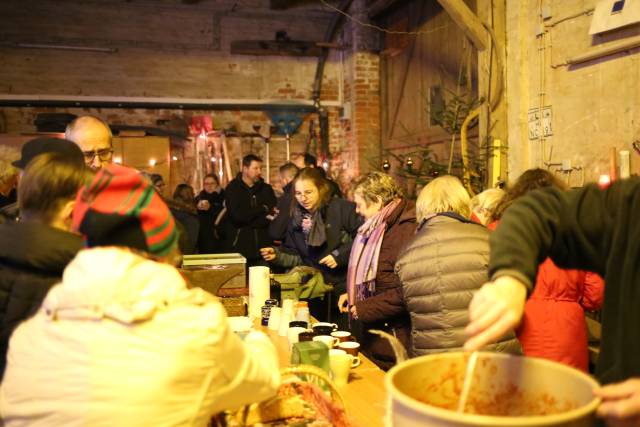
{"x":278,"y":227}
{"x":35,"y":251}
{"x":588,"y":229}
{"x":250,"y":204}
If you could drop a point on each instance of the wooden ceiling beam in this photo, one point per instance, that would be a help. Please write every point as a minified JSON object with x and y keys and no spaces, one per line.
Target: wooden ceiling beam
{"x":467,"y":21}
{"x":275,"y":48}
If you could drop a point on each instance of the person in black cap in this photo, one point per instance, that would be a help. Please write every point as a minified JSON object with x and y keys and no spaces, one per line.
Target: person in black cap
{"x":35,"y":147}
{"x":35,"y":251}
{"x":38,"y":146}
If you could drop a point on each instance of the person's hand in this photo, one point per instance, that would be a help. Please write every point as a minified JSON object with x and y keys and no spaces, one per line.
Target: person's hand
{"x":268,"y":254}
{"x":343,"y":303}
{"x":354,"y":312}
{"x":494,"y":310}
{"x":620,"y":403}
{"x":329,"y":261}
{"x":203,"y":205}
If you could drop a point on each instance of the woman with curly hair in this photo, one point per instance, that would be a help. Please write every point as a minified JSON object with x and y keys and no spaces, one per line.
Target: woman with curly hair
{"x":553,"y":326}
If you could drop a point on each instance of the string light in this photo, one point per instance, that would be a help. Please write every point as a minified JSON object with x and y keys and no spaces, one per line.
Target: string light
{"x":213,"y":159}
{"x":152,"y":162}
{"x":117,"y":159}
{"x":604,"y":181}
{"x":375,"y":27}
{"x":174,"y":158}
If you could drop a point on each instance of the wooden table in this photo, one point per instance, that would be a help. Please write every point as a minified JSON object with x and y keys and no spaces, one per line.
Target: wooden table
{"x":365,"y":397}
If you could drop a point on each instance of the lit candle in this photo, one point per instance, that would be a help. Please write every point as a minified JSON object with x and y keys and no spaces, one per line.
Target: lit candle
{"x":117,"y":160}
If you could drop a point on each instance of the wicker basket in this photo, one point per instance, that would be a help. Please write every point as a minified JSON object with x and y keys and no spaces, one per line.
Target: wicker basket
{"x":299,"y":373}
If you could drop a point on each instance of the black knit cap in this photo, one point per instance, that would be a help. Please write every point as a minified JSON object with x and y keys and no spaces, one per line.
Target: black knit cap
{"x":43,"y":145}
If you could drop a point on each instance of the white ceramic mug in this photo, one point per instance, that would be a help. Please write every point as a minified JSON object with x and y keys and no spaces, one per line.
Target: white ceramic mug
{"x":327,"y":340}
{"x":331,"y":325}
{"x":341,"y":335}
{"x":292,"y":335}
{"x":340,"y":366}
{"x":355,"y":361}
{"x":351,"y":347}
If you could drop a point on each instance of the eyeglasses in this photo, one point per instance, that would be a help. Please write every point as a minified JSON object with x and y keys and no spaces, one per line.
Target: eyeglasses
{"x":104,"y":155}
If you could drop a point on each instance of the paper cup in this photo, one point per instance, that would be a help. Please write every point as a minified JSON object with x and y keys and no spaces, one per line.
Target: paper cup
{"x":274,"y":318}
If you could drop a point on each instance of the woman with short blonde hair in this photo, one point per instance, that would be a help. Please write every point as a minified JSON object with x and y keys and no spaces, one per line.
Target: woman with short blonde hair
{"x":443,"y":194}
{"x":441,"y":268}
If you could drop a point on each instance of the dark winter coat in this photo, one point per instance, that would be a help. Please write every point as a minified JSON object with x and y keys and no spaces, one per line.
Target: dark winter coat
{"x":208,"y":240}
{"x":341,"y":224}
{"x":32,"y":259}
{"x":440,"y":269}
{"x":187,"y":217}
{"x":278,"y":227}
{"x":385,"y":310}
{"x":587,"y":229}
{"x":247,"y":210}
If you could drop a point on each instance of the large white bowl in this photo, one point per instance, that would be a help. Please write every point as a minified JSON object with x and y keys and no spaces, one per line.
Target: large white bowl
{"x":438,"y":379}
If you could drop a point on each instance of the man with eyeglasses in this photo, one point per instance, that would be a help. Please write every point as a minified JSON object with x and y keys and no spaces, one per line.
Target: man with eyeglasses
{"x":93,"y":136}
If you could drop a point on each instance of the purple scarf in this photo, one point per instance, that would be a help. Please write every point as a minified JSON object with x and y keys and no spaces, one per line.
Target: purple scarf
{"x":363,"y":261}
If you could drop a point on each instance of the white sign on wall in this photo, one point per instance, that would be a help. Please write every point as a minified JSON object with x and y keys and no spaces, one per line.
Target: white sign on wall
{"x":540,"y":122}
{"x":612,"y":14}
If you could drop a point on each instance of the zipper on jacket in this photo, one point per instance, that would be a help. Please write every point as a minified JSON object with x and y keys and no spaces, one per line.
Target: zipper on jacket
{"x":235,"y":241}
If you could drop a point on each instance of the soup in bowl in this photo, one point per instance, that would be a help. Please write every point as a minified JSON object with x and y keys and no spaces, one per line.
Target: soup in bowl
{"x":506,"y":390}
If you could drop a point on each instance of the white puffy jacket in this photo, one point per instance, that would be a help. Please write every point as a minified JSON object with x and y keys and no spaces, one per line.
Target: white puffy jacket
{"x":123,"y":342}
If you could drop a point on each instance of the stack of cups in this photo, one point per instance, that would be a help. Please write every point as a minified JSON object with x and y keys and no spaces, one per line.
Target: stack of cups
{"x":275,"y":315}
{"x":302,"y":311}
{"x":286,"y":317}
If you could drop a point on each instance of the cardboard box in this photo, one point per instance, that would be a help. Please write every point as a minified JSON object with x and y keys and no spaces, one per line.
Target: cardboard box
{"x":216,"y":273}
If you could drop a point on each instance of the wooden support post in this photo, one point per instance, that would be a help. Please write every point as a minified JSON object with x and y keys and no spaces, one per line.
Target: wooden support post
{"x":468,"y":21}
{"x":493,"y":123}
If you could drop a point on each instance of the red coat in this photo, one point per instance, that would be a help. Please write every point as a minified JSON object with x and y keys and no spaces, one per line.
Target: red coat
{"x":553,"y":326}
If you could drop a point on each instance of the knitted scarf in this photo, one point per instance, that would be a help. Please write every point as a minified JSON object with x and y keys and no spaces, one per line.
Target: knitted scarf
{"x":311,"y":224}
{"x":363,"y":261}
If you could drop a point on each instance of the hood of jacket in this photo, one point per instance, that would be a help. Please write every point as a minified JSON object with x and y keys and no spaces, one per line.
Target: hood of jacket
{"x":38,"y":246}
{"x":243,"y":185}
{"x":117,"y":284}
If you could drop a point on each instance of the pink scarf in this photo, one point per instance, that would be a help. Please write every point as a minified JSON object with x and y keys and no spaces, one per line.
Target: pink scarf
{"x":363,"y":261}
